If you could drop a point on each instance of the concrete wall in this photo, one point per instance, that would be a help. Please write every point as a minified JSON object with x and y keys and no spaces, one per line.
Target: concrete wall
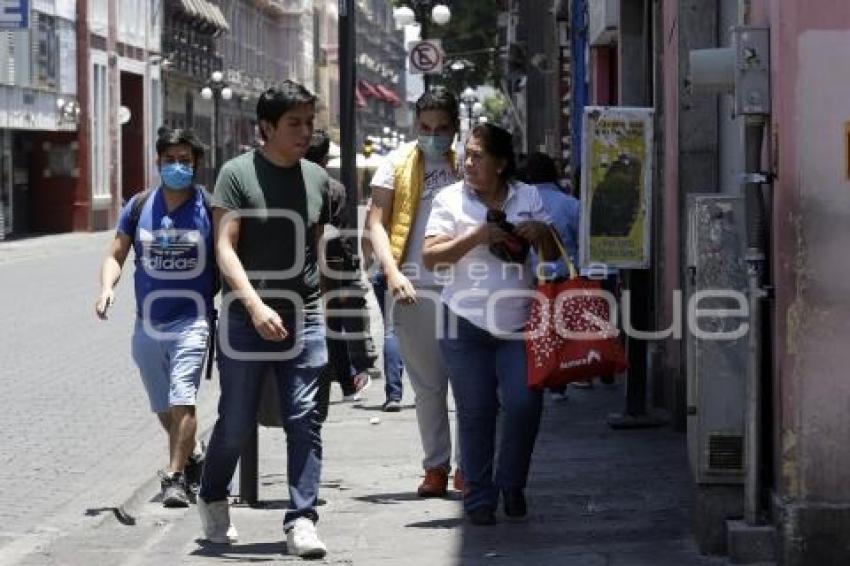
{"x":690,"y":131}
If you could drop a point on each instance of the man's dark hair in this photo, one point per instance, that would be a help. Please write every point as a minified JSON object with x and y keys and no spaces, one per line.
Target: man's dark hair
{"x":540,"y":168}
{"x":499,"y":143}
{"x":439,"y":98}
{"x":278,"y":100}
{"x":320,"y":146}
{"x":169,"y":138}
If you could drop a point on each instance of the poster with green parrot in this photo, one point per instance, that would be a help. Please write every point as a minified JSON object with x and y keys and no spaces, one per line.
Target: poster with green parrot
{"x":616,"y":187}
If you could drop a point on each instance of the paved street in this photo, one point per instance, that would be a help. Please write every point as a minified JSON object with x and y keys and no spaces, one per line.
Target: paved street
{"x":77,"y":432}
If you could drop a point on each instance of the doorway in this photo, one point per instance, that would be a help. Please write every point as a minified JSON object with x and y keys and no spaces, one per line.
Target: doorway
{"x":6,"y":198}
{"x":132,"y":135}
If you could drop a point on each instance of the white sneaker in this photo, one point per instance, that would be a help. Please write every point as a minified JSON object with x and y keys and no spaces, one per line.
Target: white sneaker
{"x":362,"y":381}
{"x":215,"y":522}
{"x":303,"y":540}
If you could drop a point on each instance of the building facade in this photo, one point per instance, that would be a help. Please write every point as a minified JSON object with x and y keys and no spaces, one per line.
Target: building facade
{"x":80,"y":103}
{"x":254,"y":44}
{"x":637,"y":53}
{"x":380,"y":72}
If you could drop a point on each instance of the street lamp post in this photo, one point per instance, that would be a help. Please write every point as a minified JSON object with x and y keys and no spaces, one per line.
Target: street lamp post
{"x":217,"y":90}
{"x":473,"y":106}
{"x":424,"y":12}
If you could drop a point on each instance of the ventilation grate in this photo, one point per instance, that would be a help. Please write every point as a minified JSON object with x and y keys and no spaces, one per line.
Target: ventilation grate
{"x":726,"y":452}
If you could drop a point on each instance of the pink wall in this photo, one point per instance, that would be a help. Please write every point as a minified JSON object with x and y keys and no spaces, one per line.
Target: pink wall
{"x":811,"y":219}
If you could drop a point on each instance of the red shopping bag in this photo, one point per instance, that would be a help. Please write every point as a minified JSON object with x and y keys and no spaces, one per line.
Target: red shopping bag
{"x":569,"y":336}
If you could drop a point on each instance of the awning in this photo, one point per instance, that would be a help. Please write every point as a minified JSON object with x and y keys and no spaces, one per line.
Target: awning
{"x":207,"y":12}
{"x":388,"y":94}
{"x":359,"y":99}
{"x":368,"y":89}
{"x":219,"y":17}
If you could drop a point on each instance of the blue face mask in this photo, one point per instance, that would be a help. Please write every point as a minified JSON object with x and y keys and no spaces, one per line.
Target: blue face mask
{"x":177,"y":176}
{"x":435,"y":146}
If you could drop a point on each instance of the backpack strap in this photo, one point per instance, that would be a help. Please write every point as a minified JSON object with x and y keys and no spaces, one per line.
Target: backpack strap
{"x":138,"y":203}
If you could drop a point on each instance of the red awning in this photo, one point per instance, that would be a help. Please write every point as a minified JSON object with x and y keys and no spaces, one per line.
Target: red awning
{"x":388,"y":94}
{"x":368,"y":89}
{"x":359,"y":99}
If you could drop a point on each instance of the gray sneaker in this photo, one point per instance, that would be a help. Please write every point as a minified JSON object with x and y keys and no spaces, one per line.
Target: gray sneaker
{"x":174,"y":492}
{"x":391,"y":406}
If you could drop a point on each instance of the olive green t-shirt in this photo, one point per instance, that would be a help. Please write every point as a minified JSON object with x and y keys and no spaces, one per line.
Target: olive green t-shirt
{"x":281,"y":210}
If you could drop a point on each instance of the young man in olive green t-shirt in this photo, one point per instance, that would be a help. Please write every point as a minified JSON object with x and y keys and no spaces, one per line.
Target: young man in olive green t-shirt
{"x":271,"y":208}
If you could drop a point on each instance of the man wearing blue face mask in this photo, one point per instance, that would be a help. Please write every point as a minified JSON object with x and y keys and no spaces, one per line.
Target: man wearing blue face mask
{"x":170,"y":230}
{"x":403,"y":189}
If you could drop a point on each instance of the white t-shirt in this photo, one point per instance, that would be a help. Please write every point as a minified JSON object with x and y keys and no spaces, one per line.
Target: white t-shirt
{"x":490,"y":293}
{"x":438,"y":175}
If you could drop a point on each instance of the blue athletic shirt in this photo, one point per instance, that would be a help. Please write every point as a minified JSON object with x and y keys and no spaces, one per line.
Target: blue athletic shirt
{"x":174,"y":254}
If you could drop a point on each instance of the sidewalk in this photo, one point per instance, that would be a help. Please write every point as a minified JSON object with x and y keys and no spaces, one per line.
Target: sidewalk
{"x":596,"y":497}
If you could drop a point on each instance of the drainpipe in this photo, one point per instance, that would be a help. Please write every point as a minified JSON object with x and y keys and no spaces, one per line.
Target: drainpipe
{"x":755,"y":258}
{"x":754,"y":129}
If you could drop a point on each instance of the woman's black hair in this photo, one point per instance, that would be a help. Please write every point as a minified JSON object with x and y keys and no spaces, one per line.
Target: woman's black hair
{"x":278,"y":100}
{"x":498,"y":143}
{"x":442,"y":99}
{"x":169,"y":138}
{"x":540,"y":168}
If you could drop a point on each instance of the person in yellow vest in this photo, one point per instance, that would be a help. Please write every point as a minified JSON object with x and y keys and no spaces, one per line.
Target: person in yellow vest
{"x":403,"y":188}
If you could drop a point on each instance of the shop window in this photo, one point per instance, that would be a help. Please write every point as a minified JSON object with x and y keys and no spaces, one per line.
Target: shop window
{"x":46,"y":51}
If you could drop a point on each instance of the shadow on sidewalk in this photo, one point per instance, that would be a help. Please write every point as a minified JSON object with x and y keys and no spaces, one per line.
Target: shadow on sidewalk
{"x":240,"y":552}
{"x":402,"y":497}
{"x":596,"y":495}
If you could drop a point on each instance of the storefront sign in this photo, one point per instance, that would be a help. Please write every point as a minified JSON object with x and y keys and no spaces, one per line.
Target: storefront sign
{"x":616,"y":187}
{"x":14,"y":14}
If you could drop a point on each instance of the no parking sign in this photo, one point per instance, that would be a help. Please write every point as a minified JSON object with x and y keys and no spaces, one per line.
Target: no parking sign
{"x":426,"y":57}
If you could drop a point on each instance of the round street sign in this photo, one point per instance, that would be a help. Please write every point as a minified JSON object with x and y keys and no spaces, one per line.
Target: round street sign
{"x":426,"y":57}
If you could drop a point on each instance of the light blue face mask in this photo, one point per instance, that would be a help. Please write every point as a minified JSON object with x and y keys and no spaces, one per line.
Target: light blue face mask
{"x":177,"y":176}
{"x":435,"y":146}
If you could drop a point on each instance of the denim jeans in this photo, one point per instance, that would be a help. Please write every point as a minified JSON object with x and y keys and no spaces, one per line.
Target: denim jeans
{"x":241,"y":387}
{"x":488,"y":377}
{"x":354,"y":350}
{"x":393,"y":365}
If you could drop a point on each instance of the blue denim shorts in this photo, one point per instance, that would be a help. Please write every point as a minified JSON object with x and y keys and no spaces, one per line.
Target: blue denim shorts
{"x":170,"y":357}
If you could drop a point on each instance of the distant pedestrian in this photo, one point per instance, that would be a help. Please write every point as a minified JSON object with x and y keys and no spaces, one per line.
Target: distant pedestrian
{"x":169,"y":228}
{"x":393,"y":363}
{"x":271,"y":210}
{"x":403,"y":188}
{"x":482,"y":342}
{"x":563,"y":208}
{"x":345,"y":308}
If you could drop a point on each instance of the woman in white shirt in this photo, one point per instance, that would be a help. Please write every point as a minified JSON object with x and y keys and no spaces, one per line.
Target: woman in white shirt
{"x":486,"y":303}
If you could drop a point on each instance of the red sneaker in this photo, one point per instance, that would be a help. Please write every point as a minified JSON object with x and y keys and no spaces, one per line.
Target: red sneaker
{"x":435,"y":483}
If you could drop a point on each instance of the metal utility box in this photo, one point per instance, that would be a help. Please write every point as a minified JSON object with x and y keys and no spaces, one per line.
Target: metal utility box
{"x":716,"y":368}
{"x":752,"y":70}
